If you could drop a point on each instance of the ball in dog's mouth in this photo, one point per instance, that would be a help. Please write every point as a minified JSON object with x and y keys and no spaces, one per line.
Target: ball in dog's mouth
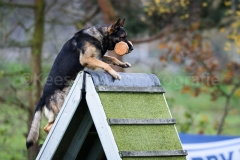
{"x":122,"y":48}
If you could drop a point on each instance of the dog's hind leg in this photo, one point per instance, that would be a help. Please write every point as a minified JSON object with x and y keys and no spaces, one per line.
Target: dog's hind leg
{"x":55,"y":104}
{"x":48,"y":127}
{"x":51,"y":118}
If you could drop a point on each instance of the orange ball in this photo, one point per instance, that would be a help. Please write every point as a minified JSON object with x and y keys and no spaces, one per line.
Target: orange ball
{"x":121,"y":48}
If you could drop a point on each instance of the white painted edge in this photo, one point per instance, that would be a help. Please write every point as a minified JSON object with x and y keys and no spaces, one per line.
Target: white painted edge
{"x":56,"y":133}
{"x":171,"y":117}
{"x":100,"y":120}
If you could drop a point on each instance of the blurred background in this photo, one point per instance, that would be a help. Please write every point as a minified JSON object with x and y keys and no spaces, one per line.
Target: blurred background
{"x":193,"y":46}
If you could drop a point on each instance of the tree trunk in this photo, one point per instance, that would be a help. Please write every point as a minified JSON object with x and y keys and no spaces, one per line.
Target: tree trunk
{"x":233,"y":6}
{"x":36,"y":50}
{"x":108,"y":12}
{"x":110,"y":17}
{"x":226,"y":109}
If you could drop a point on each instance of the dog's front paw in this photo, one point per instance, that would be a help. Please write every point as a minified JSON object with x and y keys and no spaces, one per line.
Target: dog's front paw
{"x":126,"y":65}
{"x":115,"y":75}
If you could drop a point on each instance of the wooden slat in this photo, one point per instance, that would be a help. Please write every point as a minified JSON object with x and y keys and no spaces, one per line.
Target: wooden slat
{"x":153,"y":89}
{"x":169,"y":153}
{"x":126,"y":121}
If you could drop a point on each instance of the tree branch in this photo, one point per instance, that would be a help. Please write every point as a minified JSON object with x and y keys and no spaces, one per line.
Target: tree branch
{"x":24,"y":27}
{"x":50,"y":6}
{"x":4,"y":4}
{"x":145,"y":40}
{"x":5,"y":36}
{"x":210,"y":72}
{"x":234,"y":89}
{"x":13,"y":43}
{"x":80,"y":23}
{"x":152,"y":38}
{"x":11,"y":74}
{"x":17,"y":103}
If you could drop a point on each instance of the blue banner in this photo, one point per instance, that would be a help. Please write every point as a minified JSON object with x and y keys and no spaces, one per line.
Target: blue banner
{"x":203,"y":147}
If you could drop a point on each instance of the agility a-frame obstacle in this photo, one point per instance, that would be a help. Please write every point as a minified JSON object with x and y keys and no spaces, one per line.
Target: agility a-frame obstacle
{"x":103,"y":118}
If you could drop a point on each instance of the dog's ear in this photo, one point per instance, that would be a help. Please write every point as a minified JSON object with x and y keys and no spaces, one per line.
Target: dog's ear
{"x":122,"y":22}
{"x":115,"y":26}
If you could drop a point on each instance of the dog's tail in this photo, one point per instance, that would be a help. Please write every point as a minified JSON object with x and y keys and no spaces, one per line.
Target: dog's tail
{"x":35,"y":126}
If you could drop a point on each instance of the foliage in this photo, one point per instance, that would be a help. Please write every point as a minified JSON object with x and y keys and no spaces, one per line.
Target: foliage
{"x":208,"y":14}
{"x":183,"y":26}
{"x":197,"y":115}
{"x":184,"y":43}
{"x":136,"y":20}
{"x":217,"y":77}
{"x":14,"y":91}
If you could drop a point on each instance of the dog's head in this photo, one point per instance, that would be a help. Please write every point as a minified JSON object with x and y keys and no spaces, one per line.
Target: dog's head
{"x":117,"y":33}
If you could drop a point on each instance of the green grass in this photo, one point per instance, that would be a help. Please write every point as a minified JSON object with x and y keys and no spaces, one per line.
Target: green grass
{"x":12,"y":130}
{"x":140,"y":137}
{"x":134,"y":105}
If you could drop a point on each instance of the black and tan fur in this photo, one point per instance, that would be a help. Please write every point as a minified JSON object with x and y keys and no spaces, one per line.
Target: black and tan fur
{"x":86,"y":48}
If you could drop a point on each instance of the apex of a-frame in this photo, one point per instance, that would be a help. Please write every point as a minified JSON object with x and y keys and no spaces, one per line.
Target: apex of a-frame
{"x":130,"y":82}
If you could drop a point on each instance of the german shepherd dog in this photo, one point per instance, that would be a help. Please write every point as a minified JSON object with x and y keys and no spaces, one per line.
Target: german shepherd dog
{"x":86,"y":48}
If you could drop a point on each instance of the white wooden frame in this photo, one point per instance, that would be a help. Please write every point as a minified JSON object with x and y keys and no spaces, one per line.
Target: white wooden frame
{"x":62,"y":121}
{"x":100,"y":120}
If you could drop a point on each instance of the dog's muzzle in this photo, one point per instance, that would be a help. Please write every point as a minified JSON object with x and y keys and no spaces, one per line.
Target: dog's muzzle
{"x":130,"y":49}
{"x":130,"y":46}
